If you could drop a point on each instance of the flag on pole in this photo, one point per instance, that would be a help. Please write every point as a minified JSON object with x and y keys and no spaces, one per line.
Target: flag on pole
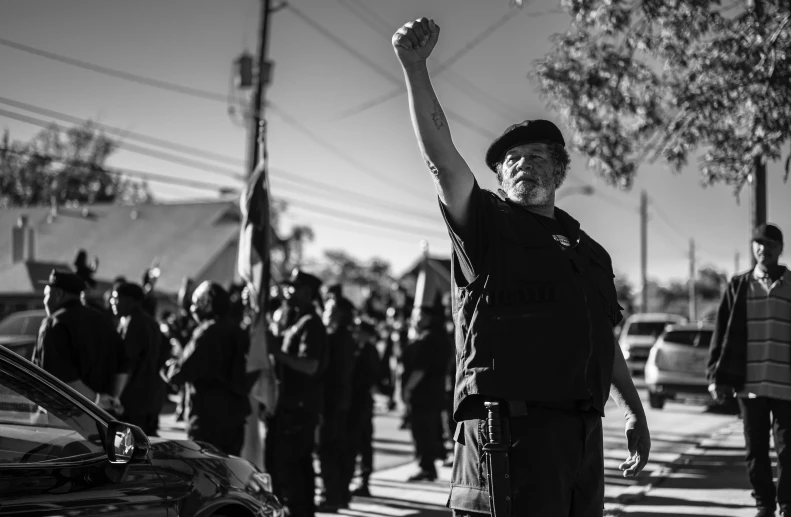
{"x":428,"y":292}
{"x":254,"y":269}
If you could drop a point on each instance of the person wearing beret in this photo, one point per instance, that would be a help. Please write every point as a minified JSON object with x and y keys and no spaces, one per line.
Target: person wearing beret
{"x":534,"y":306}
{"x":750,"y":358}
{"x":299,"y":365}
{"x":145,"y":352}
{"x":78,"y":345}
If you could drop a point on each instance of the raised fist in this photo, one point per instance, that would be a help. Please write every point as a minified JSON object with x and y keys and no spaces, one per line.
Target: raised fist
{"x":415,"y":40}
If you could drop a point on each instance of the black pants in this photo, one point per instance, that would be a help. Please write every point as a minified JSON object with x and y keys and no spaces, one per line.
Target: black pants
{"x":333,"y":443}
{"x":556,"y":466}
{"x":288,"y":455}
{"x":360,"y":431}
{"x":761,"y":416}
{"x":427,"y":435}
{"x":227,"y":439}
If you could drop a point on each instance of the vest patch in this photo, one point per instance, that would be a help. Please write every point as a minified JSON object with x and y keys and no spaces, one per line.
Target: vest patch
{"x":518,"y":296}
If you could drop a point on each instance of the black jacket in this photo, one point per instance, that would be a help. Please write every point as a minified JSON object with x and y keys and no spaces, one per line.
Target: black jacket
{"x":728,"y":348}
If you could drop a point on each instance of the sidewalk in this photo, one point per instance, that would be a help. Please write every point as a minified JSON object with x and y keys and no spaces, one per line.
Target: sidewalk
{"x":709,"y":480}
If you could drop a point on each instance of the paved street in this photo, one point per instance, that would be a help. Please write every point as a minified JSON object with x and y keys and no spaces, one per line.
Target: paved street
{"x":676,"y":429}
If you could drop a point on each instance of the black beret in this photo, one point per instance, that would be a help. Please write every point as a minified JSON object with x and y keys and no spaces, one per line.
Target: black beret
{"x":130,"y":290}
{"x":65,"y":280}
{"x":768,"y":232}
{"x":527,"y":132}
{"x":299,"y":277}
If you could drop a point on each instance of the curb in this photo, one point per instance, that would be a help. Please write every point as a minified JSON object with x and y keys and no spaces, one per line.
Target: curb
{"x":635,"y":493}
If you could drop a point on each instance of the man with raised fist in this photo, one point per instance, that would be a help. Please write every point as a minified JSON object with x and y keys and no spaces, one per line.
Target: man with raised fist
{"x":534,"y":306}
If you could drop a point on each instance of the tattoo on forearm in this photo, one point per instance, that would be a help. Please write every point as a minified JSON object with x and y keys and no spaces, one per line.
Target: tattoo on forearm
{"x":437,"y":116}
{"x":432,"y":167}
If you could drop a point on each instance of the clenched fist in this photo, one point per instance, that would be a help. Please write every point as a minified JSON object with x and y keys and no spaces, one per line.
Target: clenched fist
{"x":415,"y":40}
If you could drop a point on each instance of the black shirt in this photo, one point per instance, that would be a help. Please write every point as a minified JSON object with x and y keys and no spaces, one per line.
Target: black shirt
{"x":338,"y":374}
{"x":78,"y":343}
{"x":145,"y":352}
{"x":429,"y":353}
{"x":306,"y":338}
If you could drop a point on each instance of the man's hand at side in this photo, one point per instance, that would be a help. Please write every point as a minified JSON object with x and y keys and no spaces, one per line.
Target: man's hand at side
{"x":638,"y":441}
{"x":720,"y":393}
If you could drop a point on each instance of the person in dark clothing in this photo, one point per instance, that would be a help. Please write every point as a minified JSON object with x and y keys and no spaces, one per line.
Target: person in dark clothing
{"x":212,"y":369}
{"x":750,"y":358}
{"x":359,"y":427}
{"x":78,"y":345}
{"x":291,"y":430}
{"x":424,"y":388}
{"x":337,"y":397}
{"x":146,"y":352}
{"x":534,"y":303}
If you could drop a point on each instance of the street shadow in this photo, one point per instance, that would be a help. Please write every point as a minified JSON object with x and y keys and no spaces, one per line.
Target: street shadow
{"x":384,"y":507}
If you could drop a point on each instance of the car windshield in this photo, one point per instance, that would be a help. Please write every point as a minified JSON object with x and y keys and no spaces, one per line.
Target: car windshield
{"x":21,"y":325}
{"x":647,"y":328}
{"x":689,"y":337}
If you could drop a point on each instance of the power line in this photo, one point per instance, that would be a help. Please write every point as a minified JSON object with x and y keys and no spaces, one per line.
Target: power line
{"x":196,"y":93}
{"x":440,"y":68}
{"x":123,"y":133}
{"x":288,"y":119}
{"x":372,"y":64}
{"x":665,"y":219}
{"x":134,"y":148}
{"x":302,"y":181}
{"x":148,"y":81}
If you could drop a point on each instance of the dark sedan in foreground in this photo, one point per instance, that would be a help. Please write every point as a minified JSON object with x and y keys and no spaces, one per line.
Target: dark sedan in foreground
{"x":60,"y":454}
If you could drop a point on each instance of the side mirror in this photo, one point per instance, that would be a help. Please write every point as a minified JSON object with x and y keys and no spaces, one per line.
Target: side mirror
{"x":125,"y":443}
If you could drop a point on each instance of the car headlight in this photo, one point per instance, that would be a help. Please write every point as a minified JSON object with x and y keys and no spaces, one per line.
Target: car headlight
{"x":626,"y":349}
{"x":259,"y":482}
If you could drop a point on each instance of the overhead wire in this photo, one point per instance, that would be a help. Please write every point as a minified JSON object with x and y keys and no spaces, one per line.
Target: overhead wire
{"x":303,"y":181}
{"x":210,"y":96}
{"x":318,"y":27}
{"x":345,"y":215}
{"x":445,"y":64}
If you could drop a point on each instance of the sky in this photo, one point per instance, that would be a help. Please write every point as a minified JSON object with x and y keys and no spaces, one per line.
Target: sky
{"x":354,"y":175}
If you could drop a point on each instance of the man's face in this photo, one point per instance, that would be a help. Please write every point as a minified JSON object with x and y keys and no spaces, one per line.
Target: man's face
{"x":121,"y":305}
{"x":528,"y":173}
{"x":767,"y":253}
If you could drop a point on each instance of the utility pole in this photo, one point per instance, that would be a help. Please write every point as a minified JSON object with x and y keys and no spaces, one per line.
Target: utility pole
{"x":757,"y":197}
{"x":644,"y":251}
{"x":693,"y":299}
{"x":736,"y":264}
{"x":262,"y":80}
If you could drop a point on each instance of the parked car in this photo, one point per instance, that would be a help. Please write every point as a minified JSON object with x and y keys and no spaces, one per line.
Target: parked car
{"x":19,"y":331}
{"x":640,"y":332}
{"x":676,"y":367}
{"x":60,"y":454}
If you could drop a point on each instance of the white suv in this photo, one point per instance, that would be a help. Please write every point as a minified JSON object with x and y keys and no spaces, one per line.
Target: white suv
{"x":676,"y":366}
{"x":639,"y":334}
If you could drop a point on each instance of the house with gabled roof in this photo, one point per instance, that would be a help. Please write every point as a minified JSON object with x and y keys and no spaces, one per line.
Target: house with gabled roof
{"x":198,"y":240}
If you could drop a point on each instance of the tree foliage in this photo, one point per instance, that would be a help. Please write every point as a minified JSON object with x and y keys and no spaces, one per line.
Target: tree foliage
{"x":345,"y":269}
{"x":65,"y":168}
{"x":644,"y":79}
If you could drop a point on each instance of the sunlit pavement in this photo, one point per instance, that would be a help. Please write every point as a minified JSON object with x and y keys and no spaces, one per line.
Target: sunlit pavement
{"x":695,"y":467}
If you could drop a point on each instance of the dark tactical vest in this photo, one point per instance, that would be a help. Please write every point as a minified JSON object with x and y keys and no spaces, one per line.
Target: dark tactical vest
{"x":536,"y":323}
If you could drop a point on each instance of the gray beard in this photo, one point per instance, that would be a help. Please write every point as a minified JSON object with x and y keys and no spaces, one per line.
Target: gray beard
{"x":529,"y":195}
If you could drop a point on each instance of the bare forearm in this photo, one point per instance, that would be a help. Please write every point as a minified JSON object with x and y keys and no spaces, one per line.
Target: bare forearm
{"x":119,"y":384}
{"x":622,"y":389}
{"x":428,"y":119}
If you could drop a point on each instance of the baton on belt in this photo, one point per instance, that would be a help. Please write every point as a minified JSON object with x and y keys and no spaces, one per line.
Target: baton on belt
{"x":496,"y":452}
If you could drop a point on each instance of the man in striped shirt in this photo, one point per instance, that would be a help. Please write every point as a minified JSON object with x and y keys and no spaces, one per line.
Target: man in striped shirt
{"x":750,"y":357}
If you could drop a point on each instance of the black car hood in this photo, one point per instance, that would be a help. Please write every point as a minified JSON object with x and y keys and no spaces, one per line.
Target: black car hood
{"x":185,"y":449}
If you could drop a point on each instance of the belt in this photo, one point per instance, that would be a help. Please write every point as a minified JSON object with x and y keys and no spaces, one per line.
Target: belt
{"x":517,"y":408}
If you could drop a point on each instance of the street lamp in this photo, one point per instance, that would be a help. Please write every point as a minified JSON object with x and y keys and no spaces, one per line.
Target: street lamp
{"x":585,"y":190}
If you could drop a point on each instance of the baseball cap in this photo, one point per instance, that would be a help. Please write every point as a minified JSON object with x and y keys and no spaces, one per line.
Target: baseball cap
{"x":527,"y":132}
{"x":768,"y":232}
{"x":65,"y":280}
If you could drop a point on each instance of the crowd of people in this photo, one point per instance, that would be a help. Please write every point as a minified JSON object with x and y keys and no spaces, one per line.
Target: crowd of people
{"x":330,"y":357}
